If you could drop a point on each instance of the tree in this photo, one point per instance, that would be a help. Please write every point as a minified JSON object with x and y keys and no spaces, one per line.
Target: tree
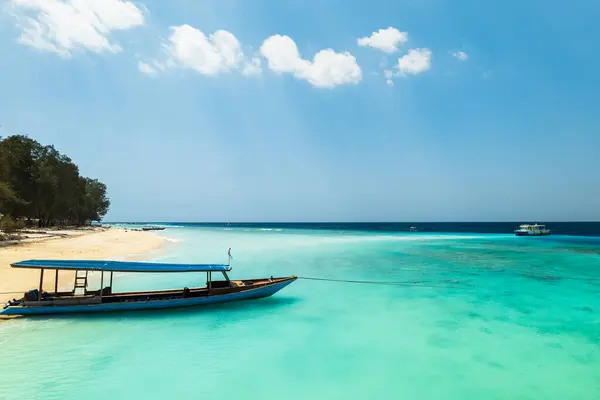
{"x":8,"y":198}
{"x":96,"y":202}
{"x":21,"y":155}
{"x":39,"y":183}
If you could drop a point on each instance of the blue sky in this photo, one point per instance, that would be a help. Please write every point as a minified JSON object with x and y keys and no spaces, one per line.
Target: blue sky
{"x":512,"y":132}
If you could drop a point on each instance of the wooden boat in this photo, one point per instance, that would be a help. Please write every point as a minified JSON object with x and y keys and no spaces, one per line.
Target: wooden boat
{"x":37,"y":301}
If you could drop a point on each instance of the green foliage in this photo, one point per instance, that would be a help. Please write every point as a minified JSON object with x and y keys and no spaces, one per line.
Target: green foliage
{"x":7,"y":196}
{"x":96,"y":202}
{"x":9,"y":225}
{"x":38,"y":183}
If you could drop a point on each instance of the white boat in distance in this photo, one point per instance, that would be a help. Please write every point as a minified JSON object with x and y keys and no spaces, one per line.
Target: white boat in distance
{"x":532,"y":230}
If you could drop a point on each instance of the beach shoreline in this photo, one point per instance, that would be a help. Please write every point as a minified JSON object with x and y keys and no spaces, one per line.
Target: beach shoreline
{"x":87,"y":243}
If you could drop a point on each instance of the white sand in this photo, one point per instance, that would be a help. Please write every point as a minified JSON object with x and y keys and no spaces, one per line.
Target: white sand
{"x":90,"y":244}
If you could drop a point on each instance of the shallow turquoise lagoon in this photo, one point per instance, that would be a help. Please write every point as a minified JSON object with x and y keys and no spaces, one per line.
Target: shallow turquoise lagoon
{"x":490,"y":317}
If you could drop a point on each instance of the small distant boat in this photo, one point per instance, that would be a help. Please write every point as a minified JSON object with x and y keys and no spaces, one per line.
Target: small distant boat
{"x":153,"y":228}
{"x":413,"y":229}
{"x":532,"y":230}
{"x":37,"y":301}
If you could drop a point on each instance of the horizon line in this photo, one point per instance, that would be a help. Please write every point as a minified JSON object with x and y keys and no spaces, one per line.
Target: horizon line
{"x":348,"y":222}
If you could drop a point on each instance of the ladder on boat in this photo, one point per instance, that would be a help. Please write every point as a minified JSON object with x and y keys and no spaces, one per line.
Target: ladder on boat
{"x":81,"y":281}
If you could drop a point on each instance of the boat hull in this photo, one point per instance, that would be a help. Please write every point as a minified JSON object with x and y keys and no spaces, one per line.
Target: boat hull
{"x":254,"y":293}
{"x":532,"y":233}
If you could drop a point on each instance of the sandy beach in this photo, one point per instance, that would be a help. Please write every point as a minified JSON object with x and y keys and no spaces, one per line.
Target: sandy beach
{"x":92,"y":243}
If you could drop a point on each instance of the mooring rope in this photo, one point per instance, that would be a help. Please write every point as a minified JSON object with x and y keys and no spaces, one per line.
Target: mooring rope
{"x":384,"y":283}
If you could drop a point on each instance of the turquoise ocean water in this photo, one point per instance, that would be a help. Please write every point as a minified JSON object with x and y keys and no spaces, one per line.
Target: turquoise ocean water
{"x":493,"y":317}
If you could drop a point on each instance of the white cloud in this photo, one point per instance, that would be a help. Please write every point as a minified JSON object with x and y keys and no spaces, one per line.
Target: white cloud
{"x":152,"y":68}
{"x":63,"y":26}
{"x":326,"y":70}
{"x":282,"y":54}
{"x":388,"y":77}
{"x":415,"y":62}
{"x":386,"y":40}
{"x":461,"y":55}
{"x":146,"y":68}
{"x":252,"y":67}
{"x":191,"y":48}
{"x":217,"y":53}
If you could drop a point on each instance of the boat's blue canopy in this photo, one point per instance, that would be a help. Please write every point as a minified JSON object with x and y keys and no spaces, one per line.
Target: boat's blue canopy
{"x":119,"y":266}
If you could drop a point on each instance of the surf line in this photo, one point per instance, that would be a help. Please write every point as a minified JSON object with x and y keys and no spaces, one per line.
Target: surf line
{"x":392,"y":283}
